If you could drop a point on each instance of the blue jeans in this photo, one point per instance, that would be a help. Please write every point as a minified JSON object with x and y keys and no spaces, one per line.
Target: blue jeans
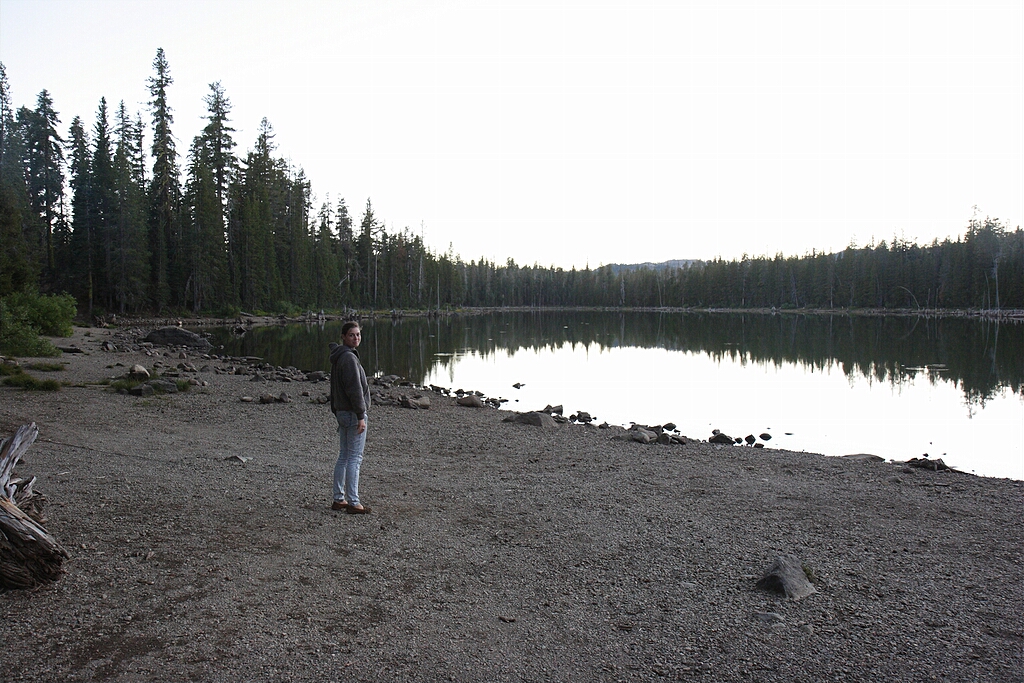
{"x":350,"y":457}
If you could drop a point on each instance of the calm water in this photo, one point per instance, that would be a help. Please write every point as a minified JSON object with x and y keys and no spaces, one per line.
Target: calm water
{"x":895,"y":387}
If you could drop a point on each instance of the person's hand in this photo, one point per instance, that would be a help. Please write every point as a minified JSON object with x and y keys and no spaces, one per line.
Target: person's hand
{"x":361,"y":427}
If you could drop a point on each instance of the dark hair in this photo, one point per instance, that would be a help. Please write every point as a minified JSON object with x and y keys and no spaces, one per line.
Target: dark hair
{"x":348,"y":326}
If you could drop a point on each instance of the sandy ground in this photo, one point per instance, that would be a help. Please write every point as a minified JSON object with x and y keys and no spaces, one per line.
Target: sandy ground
{"x":495,"y":551}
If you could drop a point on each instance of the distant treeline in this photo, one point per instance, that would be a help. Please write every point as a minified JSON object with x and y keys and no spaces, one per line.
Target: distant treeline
{"x":92,"y":214}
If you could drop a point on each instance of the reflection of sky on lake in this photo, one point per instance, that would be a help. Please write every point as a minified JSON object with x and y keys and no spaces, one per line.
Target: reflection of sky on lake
{"x":826,"y":410}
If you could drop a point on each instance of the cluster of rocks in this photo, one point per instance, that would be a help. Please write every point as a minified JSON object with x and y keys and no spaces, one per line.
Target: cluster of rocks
{"x":720,"y":437}
{"x":665,"y":434}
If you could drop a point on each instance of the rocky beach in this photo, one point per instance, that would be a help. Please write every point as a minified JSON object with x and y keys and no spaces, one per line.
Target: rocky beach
{"x":202,"y":547}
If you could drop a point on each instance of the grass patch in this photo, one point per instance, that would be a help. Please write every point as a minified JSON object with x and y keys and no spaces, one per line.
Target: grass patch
{"x":46,"y":367}
{"x":30,"y":383}
{"x":8,"y":370}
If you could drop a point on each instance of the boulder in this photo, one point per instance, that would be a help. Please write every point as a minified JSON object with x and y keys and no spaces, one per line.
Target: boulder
{"x":643,"y":435}
{"x":721,"y":438}
{"x":536,"y":419}
{"x":416,"y":402}
{"x":765,"y":436}
{"x":138,"y":372}
{"x":584,"y":417}
{"x":177,"y":336}
{"x":552,"y":410}
{"x":786,"y":575}
{"x":863,"y":457}
{"x":141,"y":390}
{"x":925,"y":464}
{"x":470,"y":401}
{"x":163,"y":385}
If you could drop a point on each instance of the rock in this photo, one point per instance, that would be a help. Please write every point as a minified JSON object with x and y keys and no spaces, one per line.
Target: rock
{"x":142,"y":390}
{"x":669,"y":426}
{"x":719,"y":437}
{"x":864,"y":457}
{"x":518,"y":385}
{"x":664,"y":439}
{"x":750,"y":439}
{"x":318,"y":376}
{"x":584,"y":417}
{"x":416,"y":402}
{"x":163,"y":385}
{"x":267,"y":398}
{"x":769,"y":617}
{"x":470,"y":401}
{"x":176,"y":336}
{"x":786,"y":575}
{"x":643,"y":435}
{"x":552,"y":410}
{"x":237,"y":458}
{"x":765,"y":436}
{"x":925,"y":464}
{"x":758,"y":445}
{"x":138,"y":372}
{"x":536,"y":419}
{"x":284,"y":398}
{"x":247,"y":399}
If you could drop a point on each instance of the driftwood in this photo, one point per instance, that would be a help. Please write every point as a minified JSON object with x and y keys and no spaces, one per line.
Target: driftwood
{"x":29,"y":556}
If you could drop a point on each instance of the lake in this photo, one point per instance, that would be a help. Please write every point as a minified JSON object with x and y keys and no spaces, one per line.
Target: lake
{"x":898,"y":387}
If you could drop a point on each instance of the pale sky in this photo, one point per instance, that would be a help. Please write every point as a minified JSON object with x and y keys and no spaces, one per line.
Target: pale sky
{"x":581,"y":133}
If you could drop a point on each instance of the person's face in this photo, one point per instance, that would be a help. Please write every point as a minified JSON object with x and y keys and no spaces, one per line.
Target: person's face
{"x":352,"y":337}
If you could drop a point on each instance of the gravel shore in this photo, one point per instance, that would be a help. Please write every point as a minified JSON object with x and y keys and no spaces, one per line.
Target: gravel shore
{"x":495,"y":551}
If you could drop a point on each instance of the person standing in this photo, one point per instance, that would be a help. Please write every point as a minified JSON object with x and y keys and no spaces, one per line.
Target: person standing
{"x":350,"y":399}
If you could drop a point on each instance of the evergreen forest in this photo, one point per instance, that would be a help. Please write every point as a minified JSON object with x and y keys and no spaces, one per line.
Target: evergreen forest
{"x":128,"y":227}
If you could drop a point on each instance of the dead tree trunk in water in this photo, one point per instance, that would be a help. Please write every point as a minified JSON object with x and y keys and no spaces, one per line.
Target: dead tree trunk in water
{"x":29,"y":556}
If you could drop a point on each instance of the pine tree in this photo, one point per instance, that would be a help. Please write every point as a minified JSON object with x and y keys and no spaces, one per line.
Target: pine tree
{"x":164,"y":189}
{"x":130,"y":254}
{"x":44,"y":170}
{"x":102,"y":212}
{"x":76,"y":262}
{"x":17,"y":267}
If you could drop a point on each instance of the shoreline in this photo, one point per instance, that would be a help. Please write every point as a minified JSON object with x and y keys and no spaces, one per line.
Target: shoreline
{"x":495,"y":551}
{"x":125,"y":321}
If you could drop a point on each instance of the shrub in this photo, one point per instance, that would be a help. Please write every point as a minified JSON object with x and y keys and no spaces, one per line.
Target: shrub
{"x":26,"y":381}
{"x":26,"y":315}
{"x":46,"y":367}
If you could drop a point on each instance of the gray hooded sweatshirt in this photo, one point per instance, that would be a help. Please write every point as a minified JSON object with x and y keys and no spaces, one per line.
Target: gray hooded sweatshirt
{"x":349,"y":388}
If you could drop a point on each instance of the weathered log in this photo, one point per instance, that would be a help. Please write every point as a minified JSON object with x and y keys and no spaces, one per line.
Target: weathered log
{"x":29,"y":556}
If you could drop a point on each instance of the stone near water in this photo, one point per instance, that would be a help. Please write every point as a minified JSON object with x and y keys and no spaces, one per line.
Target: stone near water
{"x":470,"y":401}
{"x":719,"y":437}
{"x":765,"y":436}
{"x":535,"y":419}
{"x":863,"y":457}
{"x":176,"y":336}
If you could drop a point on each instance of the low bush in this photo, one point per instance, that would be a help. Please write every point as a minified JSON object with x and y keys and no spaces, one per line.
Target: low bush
{"x":46,"y":367}
{"x":26,"y":381}
{"x":26,"y":315}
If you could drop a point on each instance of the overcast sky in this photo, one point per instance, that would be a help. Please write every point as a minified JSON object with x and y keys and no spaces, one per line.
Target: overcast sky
{"x":583,"y":133}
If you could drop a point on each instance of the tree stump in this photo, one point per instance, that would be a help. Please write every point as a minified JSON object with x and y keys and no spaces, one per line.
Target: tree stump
{"x":29,"y":556}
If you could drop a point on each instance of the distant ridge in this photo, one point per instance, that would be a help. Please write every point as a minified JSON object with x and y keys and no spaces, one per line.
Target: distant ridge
{"x":664,"y":265}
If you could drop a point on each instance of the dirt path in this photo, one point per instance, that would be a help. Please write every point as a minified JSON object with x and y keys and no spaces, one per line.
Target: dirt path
{"x":495,"y":552}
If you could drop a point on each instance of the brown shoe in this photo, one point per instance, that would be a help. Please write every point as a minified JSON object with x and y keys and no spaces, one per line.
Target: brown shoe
{"x":362,"y":510}
{"x":339,"y":505}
